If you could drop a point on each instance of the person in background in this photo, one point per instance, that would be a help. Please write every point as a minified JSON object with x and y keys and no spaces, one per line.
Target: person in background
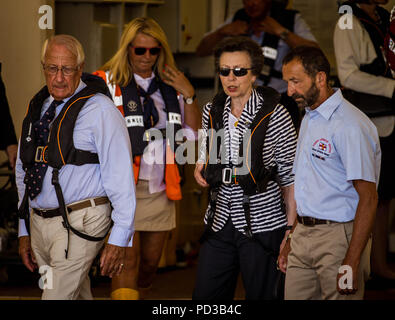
{"x":152,"y":95}
{"x":276,"y":29}
{"x":337,"y":167}
{"x":72,"y":178}
{"x":369,"y":84}
{"x":8,"y":140}
{"x":250,"y":213}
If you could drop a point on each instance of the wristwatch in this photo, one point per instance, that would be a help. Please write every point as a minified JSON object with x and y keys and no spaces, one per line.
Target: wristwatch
{"x":190,"y":99}
{"x":284,"y":34}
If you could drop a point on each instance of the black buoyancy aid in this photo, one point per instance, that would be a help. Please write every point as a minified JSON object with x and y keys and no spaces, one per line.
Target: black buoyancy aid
{"x":256,"y":180}
{"x":287,"y":19}
{"x":60,"y":149}
{"x":373,"y":105}
{"x":133,"y":113}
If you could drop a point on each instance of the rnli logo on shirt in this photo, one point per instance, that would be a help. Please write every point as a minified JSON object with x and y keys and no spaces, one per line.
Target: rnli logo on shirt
{"x":132,"y":106}
{"x":321,"y":149}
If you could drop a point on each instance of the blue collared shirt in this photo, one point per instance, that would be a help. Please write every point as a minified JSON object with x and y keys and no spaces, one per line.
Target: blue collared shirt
{"x":337,"y":144}
{"x":100,"y":128}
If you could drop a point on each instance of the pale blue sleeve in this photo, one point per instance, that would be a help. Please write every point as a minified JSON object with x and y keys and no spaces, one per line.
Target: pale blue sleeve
{"x":19,"y":177}
{"x":116,"y":166}
{"x":359,"y":151}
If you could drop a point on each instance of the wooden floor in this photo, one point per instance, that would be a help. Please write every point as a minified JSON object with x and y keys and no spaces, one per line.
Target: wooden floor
{"x":170,"y":284}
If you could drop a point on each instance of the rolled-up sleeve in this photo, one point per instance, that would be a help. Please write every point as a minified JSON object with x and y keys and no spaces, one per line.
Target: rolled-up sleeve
{"x":282,"y":133}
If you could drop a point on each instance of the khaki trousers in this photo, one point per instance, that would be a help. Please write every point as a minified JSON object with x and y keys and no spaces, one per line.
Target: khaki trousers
{"x":316,"y":254}
{"x":70,"y":277}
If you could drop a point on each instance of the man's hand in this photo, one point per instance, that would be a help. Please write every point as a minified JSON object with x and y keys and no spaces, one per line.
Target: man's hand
{"x":26,"y":253}
{"x":362,"y":228}
{"x":111,"y":260}
{"x":268,"y":25}
{"x":235,"y":28}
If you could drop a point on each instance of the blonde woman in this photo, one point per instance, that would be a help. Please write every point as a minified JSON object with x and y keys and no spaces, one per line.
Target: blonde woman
{"x":151,"y":93}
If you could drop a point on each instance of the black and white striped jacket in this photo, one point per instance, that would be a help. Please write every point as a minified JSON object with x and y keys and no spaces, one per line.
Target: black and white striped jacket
{"x":278,"y":150}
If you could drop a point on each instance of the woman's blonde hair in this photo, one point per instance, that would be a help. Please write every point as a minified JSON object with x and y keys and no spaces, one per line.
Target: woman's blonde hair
{"x":119,"y":66}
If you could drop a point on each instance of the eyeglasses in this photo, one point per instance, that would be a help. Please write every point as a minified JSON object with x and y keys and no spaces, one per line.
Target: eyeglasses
{"x":238,"y":72}
{"x":139,"y":51}
{"x":67,"y":71}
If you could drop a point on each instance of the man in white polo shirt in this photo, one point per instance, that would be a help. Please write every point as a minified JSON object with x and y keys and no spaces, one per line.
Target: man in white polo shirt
{"x":337,"y":166}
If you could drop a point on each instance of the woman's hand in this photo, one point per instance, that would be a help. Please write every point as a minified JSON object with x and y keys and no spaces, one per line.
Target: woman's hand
{"x":198,"y":175}
{"x":178,"y":81}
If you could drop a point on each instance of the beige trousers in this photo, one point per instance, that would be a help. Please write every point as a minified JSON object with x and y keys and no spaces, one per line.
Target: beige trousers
{"x":69,"y":277}
{"x":313,"y":263}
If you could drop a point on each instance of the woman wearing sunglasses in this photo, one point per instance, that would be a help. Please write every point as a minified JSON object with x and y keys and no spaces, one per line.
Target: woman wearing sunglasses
{"x":150,"y":93}
{"x":251,"y":205}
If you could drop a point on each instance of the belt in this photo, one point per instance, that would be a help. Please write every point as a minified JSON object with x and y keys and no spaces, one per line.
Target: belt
{"x":50,"y":213}
{"x":310,"y":221}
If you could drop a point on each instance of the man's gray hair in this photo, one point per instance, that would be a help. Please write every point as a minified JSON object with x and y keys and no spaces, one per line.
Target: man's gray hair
{"x":71,"y":43}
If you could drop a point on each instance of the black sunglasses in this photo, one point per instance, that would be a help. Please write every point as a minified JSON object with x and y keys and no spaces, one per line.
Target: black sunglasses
{"x":238,"y":72}
{"x":139,"y":51}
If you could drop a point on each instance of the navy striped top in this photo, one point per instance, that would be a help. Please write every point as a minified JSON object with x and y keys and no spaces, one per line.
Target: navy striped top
{"x":279,"y":150}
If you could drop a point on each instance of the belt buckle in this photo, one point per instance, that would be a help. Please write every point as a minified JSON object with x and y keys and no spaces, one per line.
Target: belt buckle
{"x":308,"y":221}
{"x":39,"y":154}
{"x":41,"y":212}
{"x":227,"y":175}
{"x":44,"y":213}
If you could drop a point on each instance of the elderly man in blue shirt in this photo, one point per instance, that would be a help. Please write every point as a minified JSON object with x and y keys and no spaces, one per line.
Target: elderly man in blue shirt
{"x":74,"y":175}
{"x":337,"y":166}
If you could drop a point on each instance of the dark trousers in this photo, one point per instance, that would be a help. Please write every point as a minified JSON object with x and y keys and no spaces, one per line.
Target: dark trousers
{"x":386,"y":188}
{"x":225,"y":253}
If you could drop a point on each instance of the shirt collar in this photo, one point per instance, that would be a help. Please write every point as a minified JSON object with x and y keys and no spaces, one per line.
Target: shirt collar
{"x":138,"y":78}
{"x":328,"y":107}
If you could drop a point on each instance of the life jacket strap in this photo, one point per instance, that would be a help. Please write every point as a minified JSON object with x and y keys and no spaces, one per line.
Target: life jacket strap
{"x":62,"y":209}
